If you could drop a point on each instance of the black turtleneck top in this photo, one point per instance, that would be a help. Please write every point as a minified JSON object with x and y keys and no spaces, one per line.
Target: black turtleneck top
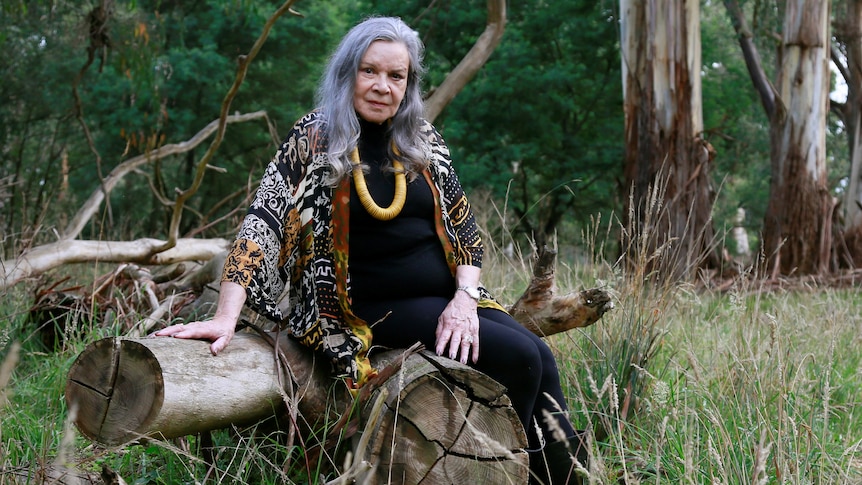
{"x":403,"y":257}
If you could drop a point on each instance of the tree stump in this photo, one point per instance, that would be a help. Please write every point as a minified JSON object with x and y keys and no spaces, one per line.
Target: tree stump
{"x":443,"y":422}
{"x":446,"y":423}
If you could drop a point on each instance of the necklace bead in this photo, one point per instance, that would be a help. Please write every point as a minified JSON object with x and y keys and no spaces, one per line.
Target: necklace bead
{"x":377,"y":212}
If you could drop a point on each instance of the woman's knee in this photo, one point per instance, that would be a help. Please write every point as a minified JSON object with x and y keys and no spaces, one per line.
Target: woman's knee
{"x":518,"y":358}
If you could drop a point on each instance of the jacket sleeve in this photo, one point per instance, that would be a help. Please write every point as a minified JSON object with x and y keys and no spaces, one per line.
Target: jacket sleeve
{"x":459,"y":219}
{"x":266,"y":244}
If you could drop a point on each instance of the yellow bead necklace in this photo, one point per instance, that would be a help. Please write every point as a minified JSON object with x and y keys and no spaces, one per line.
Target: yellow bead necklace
{"x":375,"y":210}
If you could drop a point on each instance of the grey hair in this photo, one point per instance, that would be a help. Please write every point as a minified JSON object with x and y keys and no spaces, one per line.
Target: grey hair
{"x":335,"y":96}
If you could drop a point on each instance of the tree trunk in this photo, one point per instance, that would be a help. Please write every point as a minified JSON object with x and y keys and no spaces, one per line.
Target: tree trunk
{"x":442,"y":420}
{"x":667,"y":163}
{"x":797,"y":225}
{"x":446,"y":423}
{"x":848,"y":31}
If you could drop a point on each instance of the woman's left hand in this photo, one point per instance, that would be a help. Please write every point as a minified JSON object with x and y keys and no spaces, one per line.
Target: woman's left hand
{"x":458,"y":329}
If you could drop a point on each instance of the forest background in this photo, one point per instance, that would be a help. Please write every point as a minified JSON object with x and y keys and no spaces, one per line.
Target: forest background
{"x":539,"y":138}
{"x":539,"y":129}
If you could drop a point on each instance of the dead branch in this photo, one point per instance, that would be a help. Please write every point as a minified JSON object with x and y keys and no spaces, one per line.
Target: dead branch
{"x":50,"y":256}
{"x":86,"y":212}
{"x":544,"y":313}
{"x":244,"y":61}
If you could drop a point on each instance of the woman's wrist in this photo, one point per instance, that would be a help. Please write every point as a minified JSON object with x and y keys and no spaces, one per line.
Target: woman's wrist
{"x":471,"y":291}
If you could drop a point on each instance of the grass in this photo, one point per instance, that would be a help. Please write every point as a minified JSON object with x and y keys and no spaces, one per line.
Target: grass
{"x":745,"y":388}
{"x":678,"y":384}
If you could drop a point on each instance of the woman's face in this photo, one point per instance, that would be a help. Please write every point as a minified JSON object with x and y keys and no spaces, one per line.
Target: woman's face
{"x":381,"y":80}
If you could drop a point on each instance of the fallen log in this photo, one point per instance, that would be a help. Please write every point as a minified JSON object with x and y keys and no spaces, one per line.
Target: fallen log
{"x":442,"y":421}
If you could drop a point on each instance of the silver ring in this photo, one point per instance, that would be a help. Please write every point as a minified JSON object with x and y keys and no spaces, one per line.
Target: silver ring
{"x":469,"y":339}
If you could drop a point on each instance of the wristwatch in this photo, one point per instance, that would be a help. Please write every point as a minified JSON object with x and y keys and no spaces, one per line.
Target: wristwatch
{"x":473,"y":292}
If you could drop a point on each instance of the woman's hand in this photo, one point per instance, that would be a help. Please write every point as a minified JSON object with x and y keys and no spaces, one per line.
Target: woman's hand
{"x":458,"y":329}
{"x":220,"y":330}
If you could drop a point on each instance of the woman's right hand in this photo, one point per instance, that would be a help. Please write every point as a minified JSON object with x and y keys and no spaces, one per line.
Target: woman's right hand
{"x":220,"y":330}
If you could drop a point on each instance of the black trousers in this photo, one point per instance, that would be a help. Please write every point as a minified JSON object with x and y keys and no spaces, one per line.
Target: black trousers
{"x":508,"y":353}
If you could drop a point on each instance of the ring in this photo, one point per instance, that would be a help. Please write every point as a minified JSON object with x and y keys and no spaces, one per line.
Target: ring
{"x":469,"y":339}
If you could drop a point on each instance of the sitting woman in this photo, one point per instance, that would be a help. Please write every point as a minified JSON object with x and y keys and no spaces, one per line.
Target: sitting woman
{"x":317,"y":227}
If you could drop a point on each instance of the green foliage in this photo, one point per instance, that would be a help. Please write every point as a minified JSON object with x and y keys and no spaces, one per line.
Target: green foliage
{"x":158,"y":77}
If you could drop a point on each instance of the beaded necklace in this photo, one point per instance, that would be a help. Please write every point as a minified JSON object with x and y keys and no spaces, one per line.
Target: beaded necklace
{"x":377,"y":212}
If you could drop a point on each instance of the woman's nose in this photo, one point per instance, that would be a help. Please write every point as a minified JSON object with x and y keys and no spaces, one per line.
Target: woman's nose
{"x":382,"y":84}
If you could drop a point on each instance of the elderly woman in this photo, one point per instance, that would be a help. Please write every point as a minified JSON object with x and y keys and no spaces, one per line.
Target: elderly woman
{"x":361,"y":217}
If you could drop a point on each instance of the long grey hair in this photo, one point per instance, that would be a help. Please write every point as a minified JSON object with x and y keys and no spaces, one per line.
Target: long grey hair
{"x":335,"y":96}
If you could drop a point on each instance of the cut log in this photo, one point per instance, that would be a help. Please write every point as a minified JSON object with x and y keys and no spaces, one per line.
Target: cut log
{"x":443,"y":422}
{"x":125,"y":389}
{"x":446,"y":423}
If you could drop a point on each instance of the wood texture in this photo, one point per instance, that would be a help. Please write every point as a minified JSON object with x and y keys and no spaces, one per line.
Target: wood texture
{"x":124,"y":389}
{"x":545,"y":313}
{"x":446,"y":423}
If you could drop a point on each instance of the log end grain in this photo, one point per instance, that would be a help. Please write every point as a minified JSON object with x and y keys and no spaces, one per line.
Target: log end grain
{"x":447,"y":423}
{"x":114,"y":389}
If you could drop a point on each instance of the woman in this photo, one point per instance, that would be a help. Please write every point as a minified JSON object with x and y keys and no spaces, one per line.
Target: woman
{"x":411,"y":269}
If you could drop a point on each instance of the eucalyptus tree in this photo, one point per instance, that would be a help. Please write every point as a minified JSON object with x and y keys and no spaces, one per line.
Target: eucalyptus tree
{"x":847,"y":57}
{"x":667,"y":161}
{"x":797,"y":228}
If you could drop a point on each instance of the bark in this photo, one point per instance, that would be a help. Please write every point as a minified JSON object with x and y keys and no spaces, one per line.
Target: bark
{"x":797,"y":226}
{"x":667,"y":163}
{"x":471,"y":63}
{"x":440,"y":420}
{"x":848,"y":31}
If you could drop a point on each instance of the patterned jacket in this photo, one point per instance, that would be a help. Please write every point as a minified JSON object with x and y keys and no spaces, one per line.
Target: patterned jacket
{"x":294,"y":240}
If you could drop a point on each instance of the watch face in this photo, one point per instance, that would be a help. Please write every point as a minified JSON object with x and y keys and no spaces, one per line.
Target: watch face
{"x":473,"y":292}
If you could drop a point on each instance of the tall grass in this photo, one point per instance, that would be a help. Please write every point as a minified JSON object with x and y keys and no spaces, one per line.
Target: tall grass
{"x":677,"y":384}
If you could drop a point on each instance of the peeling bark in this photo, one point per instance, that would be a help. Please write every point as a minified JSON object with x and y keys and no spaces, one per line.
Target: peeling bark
{"x":668,"y":225}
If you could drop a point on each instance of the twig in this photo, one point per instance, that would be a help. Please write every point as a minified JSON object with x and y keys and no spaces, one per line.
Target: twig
{"x":144,"y":326}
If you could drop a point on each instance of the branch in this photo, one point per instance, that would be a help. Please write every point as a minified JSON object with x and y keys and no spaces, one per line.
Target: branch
{"x":142,"y":251}
{"x":244,"y":62}
{"x":85,"y":213}
{"x":471,"y":63}
{"x":752,"y":58}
